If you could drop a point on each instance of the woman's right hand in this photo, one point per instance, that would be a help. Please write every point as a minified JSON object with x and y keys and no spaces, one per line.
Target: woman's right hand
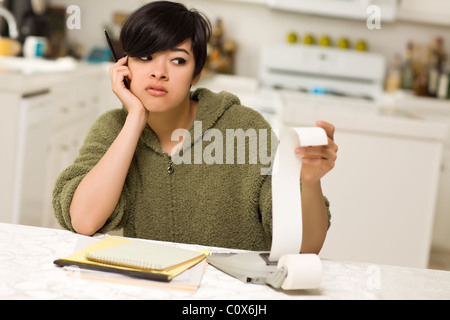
{"x":119,"y":72}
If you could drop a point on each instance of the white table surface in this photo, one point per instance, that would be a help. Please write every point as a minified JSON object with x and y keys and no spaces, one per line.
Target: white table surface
{"x":27,"y":272}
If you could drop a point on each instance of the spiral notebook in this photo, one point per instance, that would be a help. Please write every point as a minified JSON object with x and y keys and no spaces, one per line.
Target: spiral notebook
{"x":136,"y":258}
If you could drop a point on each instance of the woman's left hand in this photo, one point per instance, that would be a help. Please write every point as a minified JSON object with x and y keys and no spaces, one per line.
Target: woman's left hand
{"x":318,"y":161}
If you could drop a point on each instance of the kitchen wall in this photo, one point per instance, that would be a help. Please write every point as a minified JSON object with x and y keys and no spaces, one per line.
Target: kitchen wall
{"x":253,"y":25}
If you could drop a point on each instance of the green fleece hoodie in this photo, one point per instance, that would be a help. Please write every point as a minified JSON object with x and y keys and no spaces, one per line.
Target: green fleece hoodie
{"x":204,"y":196}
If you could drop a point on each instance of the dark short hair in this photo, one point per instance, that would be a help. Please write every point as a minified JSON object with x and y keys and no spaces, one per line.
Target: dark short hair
{"x":162,"y":25}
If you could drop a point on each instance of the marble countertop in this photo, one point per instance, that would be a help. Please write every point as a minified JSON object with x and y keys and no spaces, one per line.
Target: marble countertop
{"x":27,"y":272}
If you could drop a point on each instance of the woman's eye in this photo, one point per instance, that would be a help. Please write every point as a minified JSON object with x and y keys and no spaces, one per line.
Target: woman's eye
{"x":179,"y":61}
{"x":148,"y":58}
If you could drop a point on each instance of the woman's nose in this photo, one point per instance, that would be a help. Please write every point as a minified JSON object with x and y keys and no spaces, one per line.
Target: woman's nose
{"x":159,"y":75}
{"x":159,"y":72}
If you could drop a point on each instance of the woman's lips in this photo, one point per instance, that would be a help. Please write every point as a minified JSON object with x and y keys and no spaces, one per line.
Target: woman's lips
{"x":157,"y":91}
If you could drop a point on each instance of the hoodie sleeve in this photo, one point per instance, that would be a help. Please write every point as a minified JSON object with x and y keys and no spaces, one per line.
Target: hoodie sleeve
{"x":97,"y":142}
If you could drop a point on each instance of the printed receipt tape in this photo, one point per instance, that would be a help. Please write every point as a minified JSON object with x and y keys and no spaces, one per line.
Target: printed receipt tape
{"x":304,"y":271}
{"x":286,"y":199}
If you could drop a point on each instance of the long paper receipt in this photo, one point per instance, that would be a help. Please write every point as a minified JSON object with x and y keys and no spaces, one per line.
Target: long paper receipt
{"x":286,"y":198}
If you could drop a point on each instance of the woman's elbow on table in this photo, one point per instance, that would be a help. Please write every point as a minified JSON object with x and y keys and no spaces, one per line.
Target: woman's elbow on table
{"x":84,"y":228}
{"x":84,"y":225}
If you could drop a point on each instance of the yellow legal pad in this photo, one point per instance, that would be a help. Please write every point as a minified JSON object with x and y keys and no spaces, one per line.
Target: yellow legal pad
{"x":135,"y":258}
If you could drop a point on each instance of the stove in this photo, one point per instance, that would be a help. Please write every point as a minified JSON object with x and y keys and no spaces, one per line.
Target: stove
{"x":323,"y":71}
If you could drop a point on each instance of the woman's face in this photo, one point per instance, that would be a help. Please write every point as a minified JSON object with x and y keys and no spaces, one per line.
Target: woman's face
{"x":162,"y":81}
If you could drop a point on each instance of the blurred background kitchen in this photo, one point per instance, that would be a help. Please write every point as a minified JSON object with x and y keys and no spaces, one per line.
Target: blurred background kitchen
{"x":377,"y":69}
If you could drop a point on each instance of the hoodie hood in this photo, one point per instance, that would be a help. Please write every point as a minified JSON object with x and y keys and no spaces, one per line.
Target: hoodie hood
{"x":211,"y":106}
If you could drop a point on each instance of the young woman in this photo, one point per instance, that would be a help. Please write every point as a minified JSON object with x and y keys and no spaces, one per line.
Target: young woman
{"x":125,"y":176}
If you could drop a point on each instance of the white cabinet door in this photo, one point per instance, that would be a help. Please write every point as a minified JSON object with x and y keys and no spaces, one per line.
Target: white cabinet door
{"x":76,"y":107}
{"x":9,"y":120}
{"x":382,"y":191}
{"x":428,"y":11}
{"x":441,"y":234}
{"x":31,"y":156}
{"x":41,"y":130}
{"x":383,"y":195}
{"x":63,"y":149}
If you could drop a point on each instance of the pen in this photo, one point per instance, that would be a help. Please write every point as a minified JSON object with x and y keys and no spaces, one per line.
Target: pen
{"x":114,"y":55}
{"x":110,"y":46}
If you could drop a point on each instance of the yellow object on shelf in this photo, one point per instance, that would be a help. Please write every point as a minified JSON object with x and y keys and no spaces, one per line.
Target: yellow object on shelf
{"x":343,"y":43}
{"x":361,"y":45}
{"x":292,"y":37}
{"x":9,"y":47}
{"x":309,"y":39}
{"x":325,"y":41}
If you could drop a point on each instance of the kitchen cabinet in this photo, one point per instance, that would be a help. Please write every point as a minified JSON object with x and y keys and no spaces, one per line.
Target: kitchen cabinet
{"x":427,"y":11}
{"x":33,"y":133}
{"x":9,"y":108}
{"x":75,"y":108}
{"x":66,"y":104}
{"x":438,"y":111}
{"x":383,"y":193}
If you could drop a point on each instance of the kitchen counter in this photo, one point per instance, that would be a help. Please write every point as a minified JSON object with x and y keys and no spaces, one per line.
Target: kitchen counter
{"x":399,"y":115}
{"x":359,"y":115}
{"x":25,"y":77}
{"x":27,"y":272}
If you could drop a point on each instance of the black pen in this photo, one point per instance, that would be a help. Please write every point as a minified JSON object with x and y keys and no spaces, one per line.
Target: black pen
{"x":114,"y":55}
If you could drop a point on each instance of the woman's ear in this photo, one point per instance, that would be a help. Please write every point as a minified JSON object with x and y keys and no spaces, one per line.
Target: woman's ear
{"x":196,"y":80}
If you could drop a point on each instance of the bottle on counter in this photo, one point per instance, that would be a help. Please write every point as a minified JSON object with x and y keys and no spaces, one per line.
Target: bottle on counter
{"x":433,"y":77}
{"x":407,"y":68}
{"x":436,"y":61}
{"x":419,"y":85}
{"x":217,"y":34}
{"x":393,"y":78}
{"x":221,"y":52}
{"x":443,"y":89}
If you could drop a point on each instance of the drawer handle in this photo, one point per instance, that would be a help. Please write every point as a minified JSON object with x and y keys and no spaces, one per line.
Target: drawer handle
{"x":65,"y":110}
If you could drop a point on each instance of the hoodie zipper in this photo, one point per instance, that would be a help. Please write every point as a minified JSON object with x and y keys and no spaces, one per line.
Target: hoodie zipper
{"x":170,"y":168}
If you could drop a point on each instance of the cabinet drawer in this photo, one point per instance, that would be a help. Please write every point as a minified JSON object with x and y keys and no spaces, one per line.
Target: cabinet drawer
{"x":78,"y":101}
